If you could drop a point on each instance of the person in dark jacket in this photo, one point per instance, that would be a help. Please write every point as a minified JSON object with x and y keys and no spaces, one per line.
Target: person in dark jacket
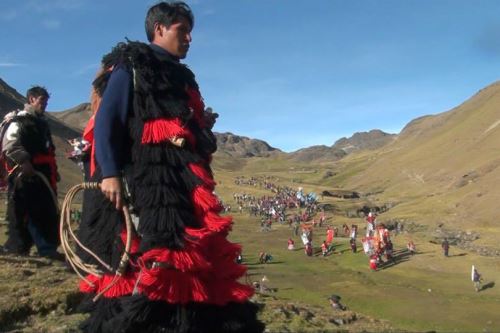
{"x":153,"y":133}
{"x":29,"y":156}
{"x":446,"y":247}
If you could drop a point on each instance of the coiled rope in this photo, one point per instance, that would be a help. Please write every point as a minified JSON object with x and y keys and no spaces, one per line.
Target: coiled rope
{"x":67,"y":236}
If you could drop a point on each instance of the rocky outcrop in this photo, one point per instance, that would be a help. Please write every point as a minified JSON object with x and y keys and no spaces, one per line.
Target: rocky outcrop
{"x":10,"y":99}
{"x":317,"y":153}
{"x":76,"y":117}
{"x":464,"y":239}
{"x":241,"y":146}
{"x":341,"y":194}
{"x":373,"y":139}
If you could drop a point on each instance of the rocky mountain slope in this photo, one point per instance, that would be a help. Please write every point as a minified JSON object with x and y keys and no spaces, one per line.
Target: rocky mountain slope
{"x":319,"y":153}
{"x":241,"y":146}
{"x":371,"y":140}
{"x":10,"y":99}
{"x":443,"y":169}
{"x":75,"y":117}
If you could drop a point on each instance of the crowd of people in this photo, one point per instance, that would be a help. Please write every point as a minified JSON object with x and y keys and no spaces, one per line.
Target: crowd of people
{"x":306,"y":217}
{"x":274,"y":208}
{"x":303,"y":214}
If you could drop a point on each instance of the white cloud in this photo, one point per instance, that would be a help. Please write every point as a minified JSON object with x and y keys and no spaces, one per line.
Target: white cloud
{"x":51,"y":24}
{"x":10,"y":64}
{"x":44,"y":6}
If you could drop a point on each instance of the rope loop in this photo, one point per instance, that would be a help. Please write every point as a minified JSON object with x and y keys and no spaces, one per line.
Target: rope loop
{"x":67,"y":236}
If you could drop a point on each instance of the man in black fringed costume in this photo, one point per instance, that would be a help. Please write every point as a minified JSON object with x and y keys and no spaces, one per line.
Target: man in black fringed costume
{"x":151,"y":130}
{"x":27,"y":148}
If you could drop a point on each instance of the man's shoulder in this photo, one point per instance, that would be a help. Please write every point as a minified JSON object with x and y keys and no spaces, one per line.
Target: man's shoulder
{"x":124,"y":52}
{"x":11,"y":116}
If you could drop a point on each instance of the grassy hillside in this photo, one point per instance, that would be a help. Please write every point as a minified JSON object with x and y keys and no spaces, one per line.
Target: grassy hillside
{"x":420,"y":293}
{"x":441,"y":168}
{"x":440,"y":173}
{"x":423,"y":292}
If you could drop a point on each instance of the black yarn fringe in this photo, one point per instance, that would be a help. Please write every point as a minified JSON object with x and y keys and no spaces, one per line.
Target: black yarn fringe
{"x":138,"y":314}
{"x":100,"y":227}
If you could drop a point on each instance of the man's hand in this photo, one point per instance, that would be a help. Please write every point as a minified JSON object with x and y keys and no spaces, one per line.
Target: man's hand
{"x":112,"y":189}
{"x":27,"y":169}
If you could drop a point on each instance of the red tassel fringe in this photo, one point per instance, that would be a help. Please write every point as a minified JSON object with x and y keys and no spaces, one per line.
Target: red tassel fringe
{"x":203,"y":174}
{"x":205,"y":269}
{"x":162,"y":130}
{"x":202,"y":272}
{"x":204,"y":200}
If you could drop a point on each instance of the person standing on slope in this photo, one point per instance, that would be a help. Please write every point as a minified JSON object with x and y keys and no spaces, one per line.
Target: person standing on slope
{"x":152,"y":132}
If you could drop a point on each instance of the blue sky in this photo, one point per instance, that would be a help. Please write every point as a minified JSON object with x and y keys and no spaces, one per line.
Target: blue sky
{"x":292,"y":73}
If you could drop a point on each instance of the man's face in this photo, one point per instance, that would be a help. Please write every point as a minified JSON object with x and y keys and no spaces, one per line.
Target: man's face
{"x":39,"y":103}
{"x":175,"y":39}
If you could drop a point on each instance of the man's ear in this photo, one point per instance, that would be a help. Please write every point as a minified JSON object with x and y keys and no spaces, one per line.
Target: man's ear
{"x":158,"y":29}
{"x":31,"y":99}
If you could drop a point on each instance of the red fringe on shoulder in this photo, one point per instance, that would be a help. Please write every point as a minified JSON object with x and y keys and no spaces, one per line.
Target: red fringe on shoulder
{"x":162,"y":130}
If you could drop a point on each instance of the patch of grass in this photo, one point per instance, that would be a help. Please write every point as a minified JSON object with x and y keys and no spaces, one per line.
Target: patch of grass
{"x":399,"y":294}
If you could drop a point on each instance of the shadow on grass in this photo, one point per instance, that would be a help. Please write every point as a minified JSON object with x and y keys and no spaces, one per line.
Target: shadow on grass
{"x":254,"y":267}
{"x":488,"y":285}
{"x":458,"y":255}
{"x":398,"y":257}
{"x":272,"y":263}
{"x":254,"y":263}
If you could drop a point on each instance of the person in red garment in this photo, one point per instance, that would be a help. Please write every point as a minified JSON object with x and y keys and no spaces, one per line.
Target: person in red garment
{"x":152,"y":133}
{"x":329,"y":235}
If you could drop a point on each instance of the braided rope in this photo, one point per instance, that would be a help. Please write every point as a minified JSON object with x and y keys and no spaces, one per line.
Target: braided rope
{"x":67,"y":236}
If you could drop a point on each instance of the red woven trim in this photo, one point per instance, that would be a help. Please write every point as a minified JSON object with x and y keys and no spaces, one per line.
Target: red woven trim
{"x":162,"y":130}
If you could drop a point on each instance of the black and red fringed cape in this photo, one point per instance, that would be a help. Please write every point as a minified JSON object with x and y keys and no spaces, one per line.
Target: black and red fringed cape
{"x":183,"y":276}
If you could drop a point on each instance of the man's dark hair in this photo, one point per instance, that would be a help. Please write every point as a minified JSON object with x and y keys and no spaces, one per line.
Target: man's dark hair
{"x":167,"y":13}
{"x":37,"y":91}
